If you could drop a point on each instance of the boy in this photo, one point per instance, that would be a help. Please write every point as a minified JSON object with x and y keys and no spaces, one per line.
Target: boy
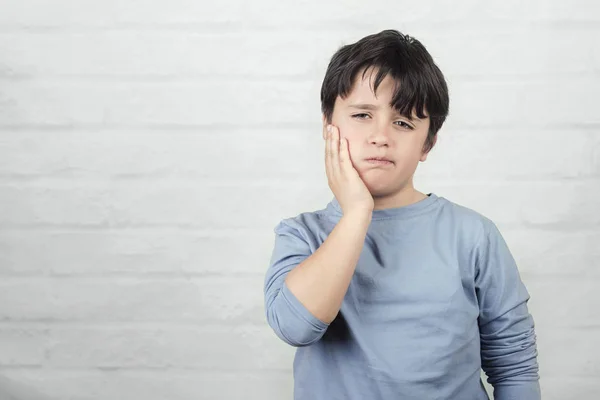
{"x":389,"y":293}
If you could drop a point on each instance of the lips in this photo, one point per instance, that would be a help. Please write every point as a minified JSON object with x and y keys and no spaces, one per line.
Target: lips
{"x":382,"y":159}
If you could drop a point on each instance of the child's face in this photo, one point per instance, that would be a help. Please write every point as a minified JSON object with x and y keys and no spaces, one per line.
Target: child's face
{"x":379,"y":131}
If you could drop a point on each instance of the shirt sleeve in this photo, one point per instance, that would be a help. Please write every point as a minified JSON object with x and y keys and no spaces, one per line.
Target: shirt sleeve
{"x":287,"y":316}
{"x":507,"y":334}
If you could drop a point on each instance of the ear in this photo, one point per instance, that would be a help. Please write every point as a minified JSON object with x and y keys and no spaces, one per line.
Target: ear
{"x":424,"y":155}
{"x":324,"y":122}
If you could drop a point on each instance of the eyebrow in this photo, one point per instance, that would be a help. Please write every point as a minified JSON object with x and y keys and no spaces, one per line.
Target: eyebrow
{"x":372,"y":107}
{"x":364,"y":106}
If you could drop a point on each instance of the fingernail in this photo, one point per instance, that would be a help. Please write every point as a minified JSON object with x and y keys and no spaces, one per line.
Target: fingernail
{"x":328,"y":128}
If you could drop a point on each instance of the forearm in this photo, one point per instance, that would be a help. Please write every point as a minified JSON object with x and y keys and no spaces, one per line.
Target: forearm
{"x":524,"y":390}
{"x":514,"y":373}
{"x":321,"y":281}
{"x":509,"y":355}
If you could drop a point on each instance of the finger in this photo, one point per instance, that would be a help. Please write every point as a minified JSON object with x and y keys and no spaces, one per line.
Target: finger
{"x":327,"y":155}
{"x":335,"y":151}
{"x":344,"y":154}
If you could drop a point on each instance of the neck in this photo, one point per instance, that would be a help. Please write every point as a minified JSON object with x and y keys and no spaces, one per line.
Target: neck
{"x":404,"y":197}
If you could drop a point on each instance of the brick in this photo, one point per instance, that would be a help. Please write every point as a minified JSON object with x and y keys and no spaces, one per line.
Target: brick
{"x":232,"y":14}
{"x":150,"y":385}
{"x":236,"y":13}
{"x":288,"y":54}
{"x":555,"y":253}
{"x":595,"y":154}
{"x":502,"y":52}
{"x":215,"y":299}
{"x":518,"y":103}
{"x":72,"y":13}
{"x":160,"y":103}
{"x":568,"y":352}
{"x":62,"y":204}
{"x":541,"y":11}
{"x":137,"y":252}
{"x":238,"y":348}
{"x":568,"y":387}
{"x":183,"y":54}
{"x":510,"y":154}
{"x":150,"y":203}
{"x":563,"y":303}
{"x":21,"y":346}
{"x":11,"y":390}
{"x":238,"y":154}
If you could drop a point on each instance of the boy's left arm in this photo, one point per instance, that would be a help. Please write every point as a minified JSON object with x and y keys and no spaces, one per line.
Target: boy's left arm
{"x":506,"y":329}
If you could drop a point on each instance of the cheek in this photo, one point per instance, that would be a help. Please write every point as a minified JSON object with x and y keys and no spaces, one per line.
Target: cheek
{"x":353,"y":140}
{"x":357,"y":150}
{"x":349,"y":131}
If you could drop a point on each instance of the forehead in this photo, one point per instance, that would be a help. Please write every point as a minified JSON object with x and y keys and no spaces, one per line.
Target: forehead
{"x":363,"y":87}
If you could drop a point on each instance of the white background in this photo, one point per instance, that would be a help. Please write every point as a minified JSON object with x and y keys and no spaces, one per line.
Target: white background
{"x":148,"y":149}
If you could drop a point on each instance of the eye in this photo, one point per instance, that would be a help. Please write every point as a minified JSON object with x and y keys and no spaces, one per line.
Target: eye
{"x":360,"y":116}
{"x":407,"y":126}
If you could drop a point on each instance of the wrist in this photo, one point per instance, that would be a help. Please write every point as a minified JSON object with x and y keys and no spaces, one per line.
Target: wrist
{"x":359,"y":214}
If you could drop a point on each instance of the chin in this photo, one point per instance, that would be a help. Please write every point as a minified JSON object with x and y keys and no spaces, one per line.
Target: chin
{"x":381,"y":188}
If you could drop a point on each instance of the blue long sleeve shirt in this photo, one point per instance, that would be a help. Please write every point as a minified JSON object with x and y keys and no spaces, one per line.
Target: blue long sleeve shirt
{"x":435,"y":297}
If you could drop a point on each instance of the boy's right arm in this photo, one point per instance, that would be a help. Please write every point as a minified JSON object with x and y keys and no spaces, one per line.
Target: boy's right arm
{"x":320,"y":282}
{"x":304,"y":292}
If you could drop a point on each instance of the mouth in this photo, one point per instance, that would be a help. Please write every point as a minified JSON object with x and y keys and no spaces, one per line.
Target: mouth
{"x":379,"y":161}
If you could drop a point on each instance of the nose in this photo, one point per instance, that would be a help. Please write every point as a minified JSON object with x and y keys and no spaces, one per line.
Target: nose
{"x":380,"y":136}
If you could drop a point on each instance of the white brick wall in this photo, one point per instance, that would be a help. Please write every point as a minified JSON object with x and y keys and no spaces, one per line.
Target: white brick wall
{"x":147,"y":150}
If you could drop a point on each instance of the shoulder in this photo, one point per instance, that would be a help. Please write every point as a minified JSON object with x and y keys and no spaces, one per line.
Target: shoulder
{"x":311,"y":226}
{"x":467,"y":220}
